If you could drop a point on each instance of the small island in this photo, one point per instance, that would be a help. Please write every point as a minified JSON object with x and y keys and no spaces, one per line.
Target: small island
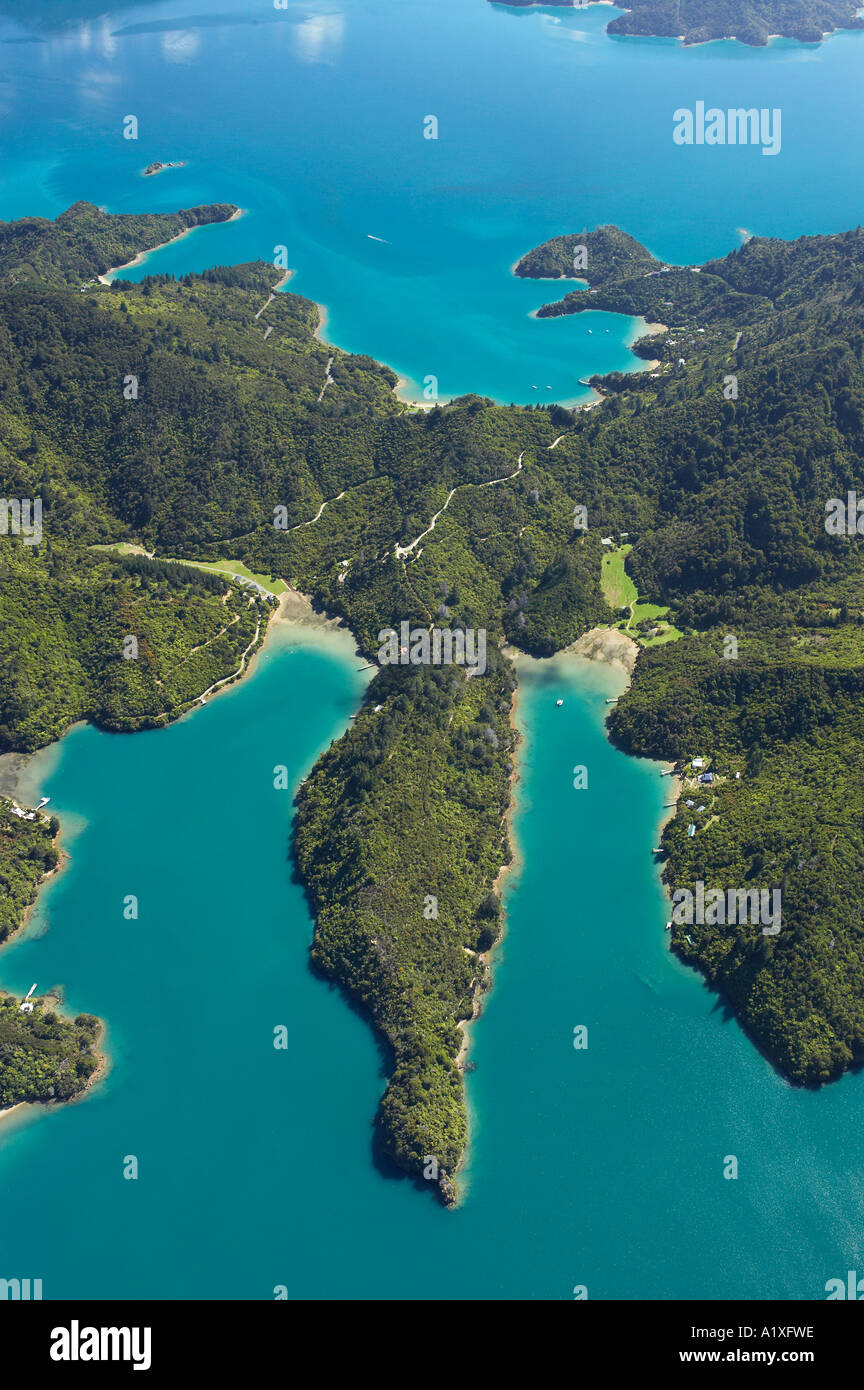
{"x":752,"y":22}
{"x":157,"y":166}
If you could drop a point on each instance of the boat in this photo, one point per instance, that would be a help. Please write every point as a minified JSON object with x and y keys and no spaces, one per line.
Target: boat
{"x":559,"y":703}
{"x":668,"y":926}
{"x":613,"y":701}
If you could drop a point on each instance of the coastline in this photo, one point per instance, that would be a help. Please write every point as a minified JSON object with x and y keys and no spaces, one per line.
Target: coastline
{"x":621,"y":652}
{"x":512,"y":867}
{"x":509,"y":871}
{"x":323,"y":322}
{"x":103,"y":1066}
{"x":143,"y":255}
{"x":294,"y":614}
{"x":648,"y":330}
{"x":403,"y":384}
{"x":605,"y":645}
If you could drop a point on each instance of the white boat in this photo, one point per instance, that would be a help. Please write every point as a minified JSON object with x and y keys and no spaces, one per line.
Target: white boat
{"x":559,"y":703}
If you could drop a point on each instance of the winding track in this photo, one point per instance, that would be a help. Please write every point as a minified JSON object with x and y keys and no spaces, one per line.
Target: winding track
{"x":403,"y":550}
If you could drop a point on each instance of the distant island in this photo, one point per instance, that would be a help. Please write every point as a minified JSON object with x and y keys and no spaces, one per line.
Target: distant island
{"x":752,"y":22}
{"x":158,"y":166}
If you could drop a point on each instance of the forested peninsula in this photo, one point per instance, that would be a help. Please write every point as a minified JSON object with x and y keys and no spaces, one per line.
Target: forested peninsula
{"x":750,"y":21}
{"x":231,"y":445}
{"x":84,"y":242}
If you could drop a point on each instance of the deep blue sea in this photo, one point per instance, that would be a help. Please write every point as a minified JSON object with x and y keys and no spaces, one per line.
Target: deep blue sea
{"x":601,"y":1167}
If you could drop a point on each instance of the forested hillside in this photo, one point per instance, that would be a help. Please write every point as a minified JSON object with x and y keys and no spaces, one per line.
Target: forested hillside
{"x":84,"y":242}
{"x":231,"y":445}
{"x":753,"y":423}
{"x":750,"y":21}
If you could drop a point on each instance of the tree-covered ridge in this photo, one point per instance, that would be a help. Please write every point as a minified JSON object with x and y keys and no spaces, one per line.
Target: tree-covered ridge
{"x":84,"y":242}
{"x":406,"y":917}
{"x":609,"y":253}
{"x":27,"y":854}
{"x":205,"y":451}
{"x":751,"y":285}
{"x":750,"y":21}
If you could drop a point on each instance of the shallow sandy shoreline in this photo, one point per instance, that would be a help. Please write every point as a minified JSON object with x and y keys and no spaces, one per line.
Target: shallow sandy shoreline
{"x":12,"y":768}
{"x":103,"y":1066}
{"x":296,"y":612}
{"x":402,"y":390}
{"x":607,"y":644}
{"x":323,"y":324}
{"x":506,"y":870}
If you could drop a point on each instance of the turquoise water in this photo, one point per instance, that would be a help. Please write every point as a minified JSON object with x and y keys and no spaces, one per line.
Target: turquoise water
{"x":601,"y":1167}
{"x":312,"y":119}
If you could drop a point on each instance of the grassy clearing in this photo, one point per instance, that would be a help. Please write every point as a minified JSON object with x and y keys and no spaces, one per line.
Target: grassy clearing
{"x":275,"y":586}
{"x":618,"y":588}
{"x":620,"y":592}
{"x":227,"y":567}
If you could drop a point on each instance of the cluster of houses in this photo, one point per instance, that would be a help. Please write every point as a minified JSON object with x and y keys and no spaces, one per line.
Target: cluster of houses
{"x":706,"y":779}
{"x":28,"y":815}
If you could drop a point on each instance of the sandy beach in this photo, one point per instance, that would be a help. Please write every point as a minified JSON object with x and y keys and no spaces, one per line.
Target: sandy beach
{"x":402,"y":390}
{"x":323,"y":324}
{"x":296,"y":610}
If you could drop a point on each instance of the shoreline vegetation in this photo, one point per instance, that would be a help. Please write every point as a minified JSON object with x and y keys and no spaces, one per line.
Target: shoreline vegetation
{"x":295,"y":611}
{"x":45,"y":1056}
{"x":753,"y":23}
{"x":143,"y":256}
{"x":689,"y":495}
